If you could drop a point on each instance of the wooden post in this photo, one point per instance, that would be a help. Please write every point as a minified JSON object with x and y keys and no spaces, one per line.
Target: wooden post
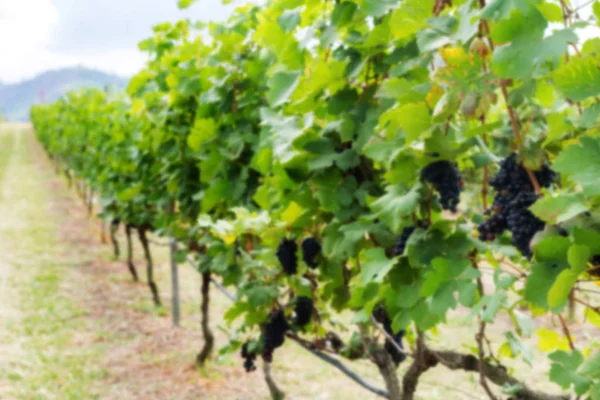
{"x":175,"y":285}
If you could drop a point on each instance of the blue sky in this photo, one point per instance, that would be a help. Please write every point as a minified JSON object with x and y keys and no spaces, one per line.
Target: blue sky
{"x":37,"y":35}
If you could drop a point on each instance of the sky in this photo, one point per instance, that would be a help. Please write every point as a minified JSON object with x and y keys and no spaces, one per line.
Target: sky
{"x":38,"y":35}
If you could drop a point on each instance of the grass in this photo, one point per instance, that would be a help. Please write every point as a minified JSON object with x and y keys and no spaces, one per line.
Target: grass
{"x":44,"y":363}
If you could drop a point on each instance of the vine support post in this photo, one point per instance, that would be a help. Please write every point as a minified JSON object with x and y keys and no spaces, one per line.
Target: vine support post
{"x":114,"y":227}
{"x":209,"y":339}
{"x":103,"y":239}
{"x":149,"y":265}
{"x":90,"y":202}
{"x":175,"y":284}
{"x":130,"y":264}
{"x":276,"y":393}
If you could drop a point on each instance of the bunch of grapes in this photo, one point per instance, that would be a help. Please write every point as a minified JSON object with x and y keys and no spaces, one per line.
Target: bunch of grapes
{"x":446,"y":180}
{"x":400,"y":245}
{"x":286,"y":253}
{"x":249,"y":358}
{"x":515,"y":194}
{"x":303,"y":310}
{"x":380,"y":314}
{"x":274,"y":333}
{"x":311,"y":248}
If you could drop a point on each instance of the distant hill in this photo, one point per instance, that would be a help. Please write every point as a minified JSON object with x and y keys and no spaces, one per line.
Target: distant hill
{"x":16,"y":99}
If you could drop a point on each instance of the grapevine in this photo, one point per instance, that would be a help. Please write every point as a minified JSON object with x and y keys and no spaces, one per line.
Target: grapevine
{"x":329,"y":163}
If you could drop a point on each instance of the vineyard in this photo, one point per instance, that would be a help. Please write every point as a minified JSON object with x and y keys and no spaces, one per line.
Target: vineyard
{"x":407,"y":191}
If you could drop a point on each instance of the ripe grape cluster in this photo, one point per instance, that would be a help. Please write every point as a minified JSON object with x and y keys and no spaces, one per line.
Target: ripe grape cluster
{"x":303,"y":310}
{"x":446,"y":180}
{"x":311,"y":248}
{"x":249,"y":358}
{"x":380,"y":314}
{"x":515,"y":194}
{"x":286,"y":254}
{"x":274,"y":333}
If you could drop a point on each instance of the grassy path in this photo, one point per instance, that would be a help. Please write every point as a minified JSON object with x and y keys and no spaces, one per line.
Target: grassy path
{"x":37,"y":318}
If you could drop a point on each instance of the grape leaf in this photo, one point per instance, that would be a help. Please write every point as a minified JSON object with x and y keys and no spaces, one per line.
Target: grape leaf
{"x":582,"y":163}
{"x":281,"y":87}
{"x":578,"y":79}
{"x":375,"y":266}
{"x":561,"y":208}
{"x":559,"y":292}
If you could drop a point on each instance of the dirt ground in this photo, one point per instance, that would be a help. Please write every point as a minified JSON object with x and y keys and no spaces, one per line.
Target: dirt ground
{"x":77,"y":327}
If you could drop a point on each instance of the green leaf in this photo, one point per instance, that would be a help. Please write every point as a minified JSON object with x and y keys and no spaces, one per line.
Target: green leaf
{"x":410,"y":17}
{"x":559,"y":292}
{"x":439,"y":273}
{"x":596,"y":11}
{"x":539,"y":282}
{"x":397,"y":204}
{"x":590,"y":116}
{"x":552,"y":248}
{"x":595,"y":390}
{"x":587,"y":237}
{"x":281,"y":87}
{"x":558,"y":209}
{"x":579,"y":79}
{"x":552,"y":12}
{"x":375,"y":266}
{"x":183,"y":4}
{"x":521,"y":58}
{"x":591,"y":367}
{"x":377,"y":8}
{"x":496,"y":301}
{"x":203,"y":131}
{"x":563,"y":371}
{"x":582,"y":163}
{"x":292,"y":213}
{"x":289,"y":20}
{"x":342,"y":13}
{"x":413,"y":118}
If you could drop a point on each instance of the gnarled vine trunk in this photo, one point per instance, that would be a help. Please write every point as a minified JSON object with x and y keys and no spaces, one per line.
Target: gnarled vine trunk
{"x":276,"y":393}
{"x":149,"y":266}
{"x":130,"y":264}
{"x":209,"y":339}
{"x":114,"y":227}
{"x":387,"y":369}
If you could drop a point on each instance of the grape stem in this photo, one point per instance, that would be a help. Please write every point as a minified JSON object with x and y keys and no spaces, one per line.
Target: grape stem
{"x":390,"y":338}
{"x":566,"y":331}
{"x":481,"y":335}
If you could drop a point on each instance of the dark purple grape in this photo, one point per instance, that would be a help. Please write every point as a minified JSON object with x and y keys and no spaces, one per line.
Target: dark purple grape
{"x":303,"y":310}
{"x":311,"y":248}
{"x":248,"y":357}
{"x":286,"y":253}
{"x":446,"y":180}
{"x":274,"y":333}
{"x":511,"y":204}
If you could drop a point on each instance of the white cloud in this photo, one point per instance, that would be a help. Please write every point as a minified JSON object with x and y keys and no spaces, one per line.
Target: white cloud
{"x":38,"y":35}
{"x":25,"y":30}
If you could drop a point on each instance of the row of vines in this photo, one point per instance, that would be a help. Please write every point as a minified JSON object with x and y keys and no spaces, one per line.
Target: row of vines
{"x":388,"y":160}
